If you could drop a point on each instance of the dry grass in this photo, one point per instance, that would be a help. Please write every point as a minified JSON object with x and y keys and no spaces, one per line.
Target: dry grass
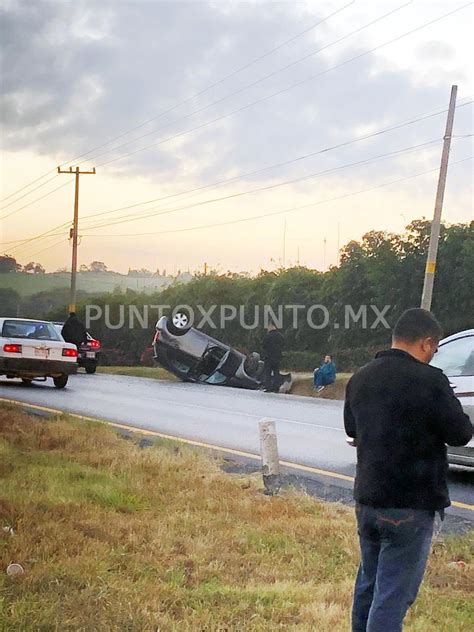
{"x":157,"y":373}
{"x":303,"y":385}
{"x":116,"y":538}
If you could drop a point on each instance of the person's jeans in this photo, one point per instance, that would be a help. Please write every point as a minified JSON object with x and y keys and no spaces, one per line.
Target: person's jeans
{"x":319,"y":379}
{"x":272,"y":378}
{"x":394,"y":545}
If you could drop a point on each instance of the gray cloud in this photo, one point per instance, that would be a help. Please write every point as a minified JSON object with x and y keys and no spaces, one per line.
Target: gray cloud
{"x":76,"y":74}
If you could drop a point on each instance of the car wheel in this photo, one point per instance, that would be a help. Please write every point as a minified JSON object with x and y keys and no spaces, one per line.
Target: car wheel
{"x":27,"y":381}
{"x":91,"y":368}
{"x":60,"y":381}
{"x":179,"y":324}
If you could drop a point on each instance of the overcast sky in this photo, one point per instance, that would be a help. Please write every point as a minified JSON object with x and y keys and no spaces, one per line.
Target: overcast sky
{"x":76,"y":75}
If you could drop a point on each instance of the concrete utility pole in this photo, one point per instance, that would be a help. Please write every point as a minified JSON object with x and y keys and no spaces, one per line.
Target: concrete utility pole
{"x":270,"y":458}
{"x":436,"y":223}
{"x":74,"y":233}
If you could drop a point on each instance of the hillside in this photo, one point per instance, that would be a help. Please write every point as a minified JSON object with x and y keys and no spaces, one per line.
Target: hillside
{"x":95,"y":283}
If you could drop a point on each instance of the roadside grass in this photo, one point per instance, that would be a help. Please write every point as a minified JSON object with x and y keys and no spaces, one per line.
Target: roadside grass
{"x":157,"y":373}
{"x":302,"y":382}
{"x":113,"y":537}
{"x":303,"y":385}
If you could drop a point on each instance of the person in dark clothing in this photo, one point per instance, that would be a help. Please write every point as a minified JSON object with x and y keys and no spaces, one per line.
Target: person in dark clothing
{"x":401,"y":412}
{"x":74,"y":331}
{"x":273,"y":343}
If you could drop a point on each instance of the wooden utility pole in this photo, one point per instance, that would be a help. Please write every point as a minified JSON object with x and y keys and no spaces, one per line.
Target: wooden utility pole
{"x":74,"y":233}
{"x":436,"y":223}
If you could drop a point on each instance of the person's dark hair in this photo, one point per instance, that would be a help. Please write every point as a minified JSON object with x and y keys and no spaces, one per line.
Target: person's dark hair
{"x":415,"y":324}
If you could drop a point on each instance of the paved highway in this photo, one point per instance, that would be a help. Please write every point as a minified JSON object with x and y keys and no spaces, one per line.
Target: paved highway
{"x":310,"y":432}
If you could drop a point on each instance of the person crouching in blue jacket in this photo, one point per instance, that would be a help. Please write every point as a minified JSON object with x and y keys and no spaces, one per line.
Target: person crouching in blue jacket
{"x":326,"y":374}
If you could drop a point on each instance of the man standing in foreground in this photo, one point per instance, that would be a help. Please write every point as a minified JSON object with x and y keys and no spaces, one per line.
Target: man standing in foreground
{"x":400,"y":412}
{"x":273,"y":343}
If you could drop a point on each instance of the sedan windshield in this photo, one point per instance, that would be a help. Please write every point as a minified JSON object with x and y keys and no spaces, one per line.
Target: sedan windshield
{"x":29,"y":329}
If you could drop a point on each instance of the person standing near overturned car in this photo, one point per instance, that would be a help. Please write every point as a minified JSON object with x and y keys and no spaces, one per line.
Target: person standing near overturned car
{"x":273,"y":343}
{"x":401,"y":412}
{"x":74,"y":331}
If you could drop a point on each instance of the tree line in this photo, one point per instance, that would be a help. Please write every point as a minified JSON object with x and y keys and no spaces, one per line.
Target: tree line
{"x":382,"y":269}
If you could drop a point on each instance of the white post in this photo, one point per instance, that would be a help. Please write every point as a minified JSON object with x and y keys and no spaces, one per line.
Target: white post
{"x":270,"y":460}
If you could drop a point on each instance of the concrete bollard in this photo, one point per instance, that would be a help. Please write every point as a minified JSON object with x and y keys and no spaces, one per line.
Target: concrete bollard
{"x":270,"y":460}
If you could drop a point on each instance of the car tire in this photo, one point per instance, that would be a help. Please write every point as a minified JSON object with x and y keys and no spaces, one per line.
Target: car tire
{"x":178,"y":324}
{"x":91,"y":368}
{"x":27,"y":381}
{"x":60,"y":381}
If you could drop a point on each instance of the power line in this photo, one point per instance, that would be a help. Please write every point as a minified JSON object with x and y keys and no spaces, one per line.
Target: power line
{"x":134,"y":217}
{"x":194,"y":96}
{"x":212,"y":85}
{"x":256,"y":82}
{"x":28,"y":185}
{"x":376,"y":133}
{"x":280,"y":164}
{"x":49,"y":247}
{"x":26,"y":194}
{"x":40,"y":236}
{"x":288,"y":210}
{"x":283,"y":90}
{"x":34,"y":201}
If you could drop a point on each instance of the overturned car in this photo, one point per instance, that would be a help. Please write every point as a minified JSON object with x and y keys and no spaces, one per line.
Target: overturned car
{"x":193,"y":356}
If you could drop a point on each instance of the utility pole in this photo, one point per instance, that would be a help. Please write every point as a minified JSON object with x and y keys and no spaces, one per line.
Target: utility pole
{"x":338,"y":242}
{"x":74,"y":233}
{"x":436,"y":223}
{"x":284,"y":243}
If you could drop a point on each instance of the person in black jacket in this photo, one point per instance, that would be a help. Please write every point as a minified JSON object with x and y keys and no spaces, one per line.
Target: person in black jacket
{"x":73,"y":330}
{"x":401,"y":412}
{"x":273,"y":343}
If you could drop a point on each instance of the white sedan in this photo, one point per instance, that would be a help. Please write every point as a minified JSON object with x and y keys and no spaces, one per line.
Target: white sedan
{"x":32,"y":349}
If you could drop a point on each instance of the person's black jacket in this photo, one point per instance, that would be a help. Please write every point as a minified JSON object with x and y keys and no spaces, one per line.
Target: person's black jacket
{"x":273,"y":342}
{"x":401,"y":413}
{"x":73,"y":331}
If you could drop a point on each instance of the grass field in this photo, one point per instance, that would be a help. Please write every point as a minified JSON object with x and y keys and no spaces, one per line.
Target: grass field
{"x":156,"y":373}
{"x":113,"y":537}
{"x":302,"y":384}
{"x":26,"y":284}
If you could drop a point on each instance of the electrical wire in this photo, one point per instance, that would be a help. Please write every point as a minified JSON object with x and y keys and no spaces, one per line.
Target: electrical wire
{"x":38,"y":252}
{"x":134,"y":217}
{"x":288,"y":210}
{"x":256,"y":82}
{"x":326,"y":149}
{"x":188,"y":99}
{"x":64,"y":184}
{"x":216,"y":83}
{"x":280,"y":164}
{"x":26,"y":194}
{"x":27,"y":185}
{"x":283,"y":90}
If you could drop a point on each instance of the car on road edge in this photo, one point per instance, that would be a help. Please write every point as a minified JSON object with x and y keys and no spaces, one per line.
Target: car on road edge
{"x":33,"y":349}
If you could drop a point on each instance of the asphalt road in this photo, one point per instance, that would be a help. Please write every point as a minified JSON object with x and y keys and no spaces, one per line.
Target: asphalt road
{"x":310,"y":432}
